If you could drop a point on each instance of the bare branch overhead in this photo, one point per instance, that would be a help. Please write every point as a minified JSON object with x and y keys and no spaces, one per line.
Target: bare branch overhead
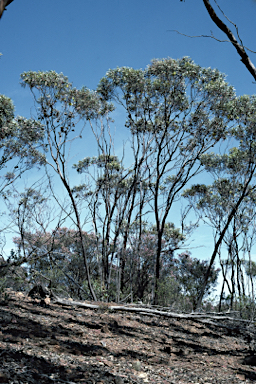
{"x":209,"y":36}
{"x":238,"y":46}
{"x":3,"y":5}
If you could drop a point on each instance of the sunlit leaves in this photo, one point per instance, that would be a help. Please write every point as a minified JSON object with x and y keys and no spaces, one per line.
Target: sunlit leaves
{"x":57,"y":96}
{"x":177,"y":94}
{"x":20,"y":139}
{"x":221,"y":194}
{"x":109,"y":162}
{"x":6,"y":115}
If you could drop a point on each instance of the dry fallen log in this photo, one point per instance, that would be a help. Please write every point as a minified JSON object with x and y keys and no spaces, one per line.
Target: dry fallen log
{"x":70,"y":302}
{"x":145,"y":311}
{"x":190,"y":316}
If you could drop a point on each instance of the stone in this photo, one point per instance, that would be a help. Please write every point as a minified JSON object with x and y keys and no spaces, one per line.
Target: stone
{"x":250,"y":360}
{"x":136,"y":365}
{"x":4,"y":378}
{"x":118,"y":380}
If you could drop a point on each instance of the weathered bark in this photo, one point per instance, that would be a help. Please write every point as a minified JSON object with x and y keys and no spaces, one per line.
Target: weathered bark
{"x":157,"y":266}
{"x":238,"y":46}
{"x":148,"y":311}
{"x":225,"y":281}
{"x":3,"y":5}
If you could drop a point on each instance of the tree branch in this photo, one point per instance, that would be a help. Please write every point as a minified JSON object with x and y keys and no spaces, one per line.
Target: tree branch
{"x":239,"y":47}
{"x":209,"y":36}
{"x":3,"y":5}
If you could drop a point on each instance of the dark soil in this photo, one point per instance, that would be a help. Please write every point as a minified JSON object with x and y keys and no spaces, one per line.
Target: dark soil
{"x":62,"y":344}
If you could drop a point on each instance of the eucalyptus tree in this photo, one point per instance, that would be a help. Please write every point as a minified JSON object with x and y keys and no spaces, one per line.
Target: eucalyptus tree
{"x":239,"y":241}
{"x":213,"y":204}
{"x":60,"y":107}
{"x":175,"y":112}
{"x":58,"y":259}
{"x":107,"y":190}
{"x":115,"y":201}
{"x":142,"y":256}
{"x":189,"y":273}
{"x":249,"y":239}
{"x":239,"y":167}
{"x":234,"y":262}
{"x":20,"y":141}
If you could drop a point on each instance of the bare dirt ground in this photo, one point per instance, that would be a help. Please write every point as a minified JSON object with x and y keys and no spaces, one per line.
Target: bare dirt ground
{"x":61,"y":344}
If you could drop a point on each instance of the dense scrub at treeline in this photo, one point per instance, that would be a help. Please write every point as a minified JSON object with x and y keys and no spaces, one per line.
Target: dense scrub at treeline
{"x":63,"y":268}
{"x":111,"y":237}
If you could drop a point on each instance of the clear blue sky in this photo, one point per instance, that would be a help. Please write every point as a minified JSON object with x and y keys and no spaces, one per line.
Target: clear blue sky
{"x":84,"y":38}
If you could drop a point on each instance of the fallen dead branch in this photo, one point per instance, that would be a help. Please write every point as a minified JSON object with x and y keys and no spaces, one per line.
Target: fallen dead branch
{"x":146,"y":311}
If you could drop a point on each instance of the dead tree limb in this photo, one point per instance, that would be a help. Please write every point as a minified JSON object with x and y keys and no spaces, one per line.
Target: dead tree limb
{"x":207,"y":36}
{"x":146,"y":311}
{"x":238,"y":46}
{"x":3,"y":5}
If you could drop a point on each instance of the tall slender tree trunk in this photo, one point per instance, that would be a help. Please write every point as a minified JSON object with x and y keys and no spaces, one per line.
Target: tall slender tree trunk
{"x":157,"y":268}
{"x":222,"y":234}
{"x":81,"y":237}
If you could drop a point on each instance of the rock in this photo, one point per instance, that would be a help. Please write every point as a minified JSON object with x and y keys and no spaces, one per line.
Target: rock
{"x":155,"y":360}
{"x":39,"y":291}
{"x":105,"y":329}
{"x":45,"y":302}
{"x":249,"y":360}
{"x":167,"y":349}
{"x":4,"y":378}
{"x":118,"y":380}
{"x":144,"y":376}
{"x":114,"y":324}
{"x":136,"y":365}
